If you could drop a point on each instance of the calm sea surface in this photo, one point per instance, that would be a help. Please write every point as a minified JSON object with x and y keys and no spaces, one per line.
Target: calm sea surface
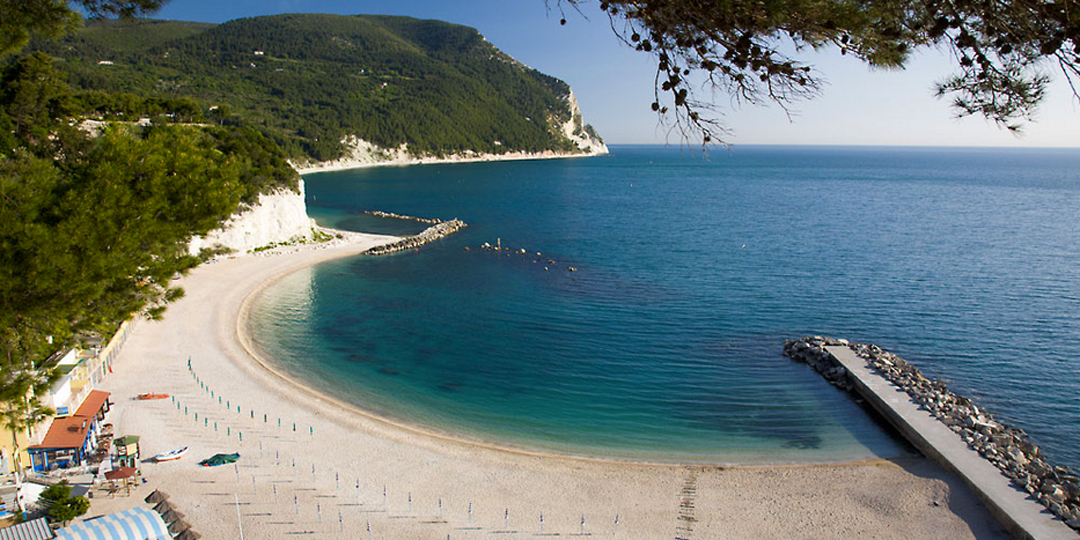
{"x":665,"y":343}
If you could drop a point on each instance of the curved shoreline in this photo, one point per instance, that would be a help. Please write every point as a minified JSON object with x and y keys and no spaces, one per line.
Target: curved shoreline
{"x":263,"y":359}
{"x":352,"y":164}
{"x":244,"y":338}
{"x":330,"y":449}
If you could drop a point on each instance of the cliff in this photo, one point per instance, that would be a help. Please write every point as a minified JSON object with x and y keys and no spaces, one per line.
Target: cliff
{"x":361,"y":153}
{"x":276,"y":218}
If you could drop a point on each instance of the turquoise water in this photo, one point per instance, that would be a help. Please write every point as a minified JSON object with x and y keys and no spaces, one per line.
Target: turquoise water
{"x":665,"y":343}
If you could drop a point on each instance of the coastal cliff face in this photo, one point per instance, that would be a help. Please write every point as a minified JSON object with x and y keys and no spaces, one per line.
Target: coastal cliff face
{"x":313,"y":82}
{"x":277,"y":218}
{"x":581,"y":135}
{"x":362,"y":153}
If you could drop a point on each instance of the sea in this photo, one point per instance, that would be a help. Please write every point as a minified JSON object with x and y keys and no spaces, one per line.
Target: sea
{"x":645,"y":319}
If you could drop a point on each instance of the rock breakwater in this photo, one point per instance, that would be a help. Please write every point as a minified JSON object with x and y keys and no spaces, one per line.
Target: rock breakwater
{"x":379,"y":213}
{"x":1007,"y":448}
{"x":430,"y":234}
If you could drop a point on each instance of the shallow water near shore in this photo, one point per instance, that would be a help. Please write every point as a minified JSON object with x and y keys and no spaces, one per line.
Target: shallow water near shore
{"x":665,"y":343}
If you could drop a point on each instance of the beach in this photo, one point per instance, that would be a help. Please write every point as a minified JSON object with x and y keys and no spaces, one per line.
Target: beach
{"x":311,"y":466}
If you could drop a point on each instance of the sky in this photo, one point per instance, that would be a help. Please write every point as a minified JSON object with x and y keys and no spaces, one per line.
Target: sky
{"x":614,"y":84}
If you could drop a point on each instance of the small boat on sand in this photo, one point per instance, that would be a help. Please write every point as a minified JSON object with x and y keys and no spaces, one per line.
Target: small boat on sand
{"x":171,"y":454}
{"x":151,"y":396}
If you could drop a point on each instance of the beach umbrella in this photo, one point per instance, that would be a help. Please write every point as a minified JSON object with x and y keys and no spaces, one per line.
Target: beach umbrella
{"x":163,"y":506}
{"x":171,"y":516}
{"x":120,"y":473}
{"x":156,"y":496}
{"x":179,"y":526}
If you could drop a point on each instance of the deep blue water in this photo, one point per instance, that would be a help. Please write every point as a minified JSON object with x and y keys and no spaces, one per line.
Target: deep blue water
{"x":665,"y":344}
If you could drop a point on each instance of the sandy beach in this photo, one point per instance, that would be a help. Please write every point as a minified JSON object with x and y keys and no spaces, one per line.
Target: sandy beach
{"x":310,"y":467}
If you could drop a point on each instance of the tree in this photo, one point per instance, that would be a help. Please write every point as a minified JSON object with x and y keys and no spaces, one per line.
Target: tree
{"x":746,"y":48}
{"x":92,"y":228}
{"x":19,"y":19}
{"x":62,"y":506}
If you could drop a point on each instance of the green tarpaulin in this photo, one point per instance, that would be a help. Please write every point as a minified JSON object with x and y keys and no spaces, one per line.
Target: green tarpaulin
{"x":219,"y":459}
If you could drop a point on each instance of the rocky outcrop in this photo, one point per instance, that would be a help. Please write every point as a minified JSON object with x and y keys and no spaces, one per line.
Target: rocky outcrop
{"x":278,"y":218}
{"x":584,"y":138}
{"x":429,"y":234}
{"x":391,"y":215}
{"x":1007,"y":448}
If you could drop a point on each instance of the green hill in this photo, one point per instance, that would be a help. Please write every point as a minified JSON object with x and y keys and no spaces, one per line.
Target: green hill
{"x":308,"y":81}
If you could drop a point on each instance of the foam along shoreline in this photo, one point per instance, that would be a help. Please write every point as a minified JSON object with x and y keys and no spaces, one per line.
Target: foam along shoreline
{"x":305,"y":458}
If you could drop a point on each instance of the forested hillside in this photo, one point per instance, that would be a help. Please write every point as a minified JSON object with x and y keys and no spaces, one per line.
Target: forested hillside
{"x":308,"y":81}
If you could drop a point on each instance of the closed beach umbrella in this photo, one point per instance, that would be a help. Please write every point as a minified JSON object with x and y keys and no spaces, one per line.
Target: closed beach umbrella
{"x":156,"y":496}
{"x":179,"y":526}
{"x":163,"y":506}
{"x":171,"y":516}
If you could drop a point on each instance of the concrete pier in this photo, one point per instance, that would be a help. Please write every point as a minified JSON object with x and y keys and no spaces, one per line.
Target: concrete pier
{"x":1023,"y":516}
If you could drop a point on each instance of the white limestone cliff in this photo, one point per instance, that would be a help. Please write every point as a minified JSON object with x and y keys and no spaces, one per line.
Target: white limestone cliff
{"x":574,"y":129}
{"x":360,"y":153}
{"x":276,"y":218}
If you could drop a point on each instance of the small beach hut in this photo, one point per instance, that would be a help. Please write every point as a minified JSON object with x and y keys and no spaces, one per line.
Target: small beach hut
{"x":127,"y":450}
{"x":133,"y":524}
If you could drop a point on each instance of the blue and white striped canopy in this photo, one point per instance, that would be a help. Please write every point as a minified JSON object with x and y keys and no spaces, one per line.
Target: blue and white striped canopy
{"x":133,"y":524}
{"x":37,"y":529}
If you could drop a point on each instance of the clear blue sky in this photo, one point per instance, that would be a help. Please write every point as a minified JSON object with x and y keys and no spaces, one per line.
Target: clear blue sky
{"x":614,"y":84}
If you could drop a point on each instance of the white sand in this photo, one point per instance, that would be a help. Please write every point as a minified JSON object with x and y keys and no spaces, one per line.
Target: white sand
{"x":909,"y":498}
{"x":348,"y":163}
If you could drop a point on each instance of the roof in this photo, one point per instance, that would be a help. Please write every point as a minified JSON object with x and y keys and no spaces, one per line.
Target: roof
{"x":120,"y":472}
{"x":72,"y":431}
{"x":126,"y":440}
{"x":93,"y":403}
{"x":37,"y":529}
{"x":133,"y":524}
{"x":67,"y":432}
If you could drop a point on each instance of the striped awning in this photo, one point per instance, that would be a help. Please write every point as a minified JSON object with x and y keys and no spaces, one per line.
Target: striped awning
{"x":133,"y":524}
{"x":37,"y":529}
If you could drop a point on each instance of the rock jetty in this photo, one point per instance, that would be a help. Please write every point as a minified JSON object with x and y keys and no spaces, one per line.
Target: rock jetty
{"x":379,"y":213}
{"x":1007,"y":448}
{"x":430,"y":234}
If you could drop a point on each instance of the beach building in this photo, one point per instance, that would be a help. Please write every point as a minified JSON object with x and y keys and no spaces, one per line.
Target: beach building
{"x":127,"y":451}
{"x":82,"y":370}
{"x":72,"y":440}
{"x":76,"y":433}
